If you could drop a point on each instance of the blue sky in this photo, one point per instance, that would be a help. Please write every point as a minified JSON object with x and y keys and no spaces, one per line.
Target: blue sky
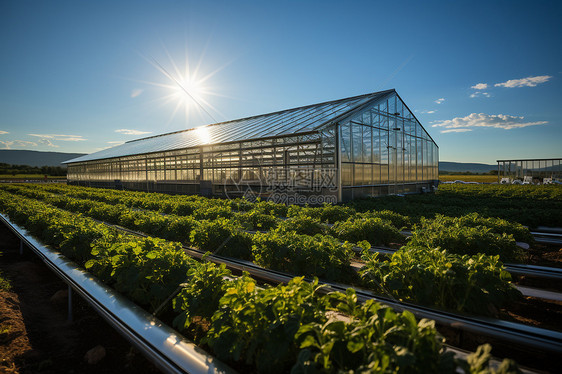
{"x":484,"y":77}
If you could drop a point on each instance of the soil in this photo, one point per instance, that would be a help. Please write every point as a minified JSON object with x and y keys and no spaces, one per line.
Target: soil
{"x":532,"y":311}
{"x":35,"y":333}
{"x":542,"y":255}
{"x":545,"y":255}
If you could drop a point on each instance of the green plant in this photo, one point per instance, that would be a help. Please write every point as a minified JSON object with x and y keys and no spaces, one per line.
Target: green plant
{"x":320,"y":255}
{"x":199,"y":297}
{"x":374,"y":230}
{"x":398,"y":220}
{"x":476,"y":284}
{"x":258,"y":326}
{"x":457,"y":238}
{"x":375,"y":339}
{"x":148,"y":270}
{"x":222,"y":236}
{"x":497,"y":225}
{"x":255,"y":220}
{"x":303,"y":224}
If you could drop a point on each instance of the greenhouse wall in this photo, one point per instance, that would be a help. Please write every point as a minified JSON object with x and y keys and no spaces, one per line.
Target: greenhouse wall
{"x":303,"y":163}
{"x":385,"y":150}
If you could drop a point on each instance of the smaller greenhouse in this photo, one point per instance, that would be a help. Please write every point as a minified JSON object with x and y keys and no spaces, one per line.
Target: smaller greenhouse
{"x":368,"y":145}
{"x":530,"y":170}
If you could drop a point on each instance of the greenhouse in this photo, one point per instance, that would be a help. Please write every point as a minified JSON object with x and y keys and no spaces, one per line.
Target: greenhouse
{"x":368,"y":145}
{"x":543,"y":170}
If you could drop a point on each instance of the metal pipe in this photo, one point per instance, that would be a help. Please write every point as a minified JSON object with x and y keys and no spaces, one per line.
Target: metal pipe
{"x":162,"y":345}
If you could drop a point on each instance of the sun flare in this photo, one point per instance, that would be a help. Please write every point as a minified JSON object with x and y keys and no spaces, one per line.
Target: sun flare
{"x":203,"y":134}
{"x":187,"y":88}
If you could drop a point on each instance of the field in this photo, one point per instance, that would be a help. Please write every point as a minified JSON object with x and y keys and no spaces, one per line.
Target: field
{"x":532,"y":206}
{"x":242,"y":321}
{"x":484,"y":178}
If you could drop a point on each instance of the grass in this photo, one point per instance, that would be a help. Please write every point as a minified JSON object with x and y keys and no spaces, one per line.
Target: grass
{"x":28,"y":176}
{"x":469,"y":178}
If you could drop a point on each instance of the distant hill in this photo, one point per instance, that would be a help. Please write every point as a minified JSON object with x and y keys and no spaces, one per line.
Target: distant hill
{"x":35,"y":158}
{"x":459,"y":167}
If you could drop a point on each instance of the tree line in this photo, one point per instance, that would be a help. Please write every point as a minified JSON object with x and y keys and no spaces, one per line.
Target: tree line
{"x":26,"y":169}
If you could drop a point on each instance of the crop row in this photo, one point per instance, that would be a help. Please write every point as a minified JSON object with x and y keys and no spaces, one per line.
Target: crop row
{"x":470,"y":234}
{"x":263,"y":214}
{"x":273,"y":329}
{"x":528,"y":205}
{"x":478,"y":277}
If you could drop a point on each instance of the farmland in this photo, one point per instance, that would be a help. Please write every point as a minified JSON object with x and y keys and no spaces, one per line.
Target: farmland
{"x":480,"y":178}
{"x":241,"y":320}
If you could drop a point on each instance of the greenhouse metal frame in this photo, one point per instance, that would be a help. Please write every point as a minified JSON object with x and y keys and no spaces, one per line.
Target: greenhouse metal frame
{"x":536,"y":169}
{"x":368,"y":145}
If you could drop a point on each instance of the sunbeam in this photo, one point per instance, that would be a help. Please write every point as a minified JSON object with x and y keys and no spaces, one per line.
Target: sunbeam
{"x":187,"y":86}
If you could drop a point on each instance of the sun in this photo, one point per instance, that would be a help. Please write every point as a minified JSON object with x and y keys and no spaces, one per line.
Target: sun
{"x":195,"y":88}
{"x":188,"y":91}
{"x":187,"y":88}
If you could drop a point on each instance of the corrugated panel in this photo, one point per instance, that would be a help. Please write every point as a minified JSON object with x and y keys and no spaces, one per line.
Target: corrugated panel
{"x":286,"y":122}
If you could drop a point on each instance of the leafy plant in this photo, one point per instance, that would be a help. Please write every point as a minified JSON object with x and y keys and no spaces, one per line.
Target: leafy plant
{"x":199,"y":297}
{"x":476,"y":284}
{"x":374,"y":230}
{"x":223,"y":237}
{"x":457,"y":238}
{"x":375,"y":339}
{"x":255,"y":220}
{"x":303,"y":224}
{"x":398,"y":220}
{"x":320,"y":255}
{"x":258,"y":326}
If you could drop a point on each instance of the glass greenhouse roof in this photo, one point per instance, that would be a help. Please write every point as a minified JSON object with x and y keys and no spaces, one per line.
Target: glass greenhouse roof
{"x":286,"y":122}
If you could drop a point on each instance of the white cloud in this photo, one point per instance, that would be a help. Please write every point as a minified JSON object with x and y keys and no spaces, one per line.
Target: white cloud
{"x":47,"y":142}
{"x":439,"y":101}
{"x":477,"y":94}
{"x":136,"y":92}
{"x":3,"y":132}
{"x":16,"y":143}
{"x":480,"y":86}
{"x":498,"y":121}
{"x":116,"y":142}
{"x":428,"y":111}
{"x":524,"y":82}
{"x":455,"y":130}
{"x":64,"y":138}
{"x":132,"y":132}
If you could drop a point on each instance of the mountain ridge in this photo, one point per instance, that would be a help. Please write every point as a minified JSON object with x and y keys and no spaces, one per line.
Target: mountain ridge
{"x":460,"y":167}
{"x":35,"y":158}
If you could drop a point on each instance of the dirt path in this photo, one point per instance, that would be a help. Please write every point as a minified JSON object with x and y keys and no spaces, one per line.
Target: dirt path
{"x":35,"y":334}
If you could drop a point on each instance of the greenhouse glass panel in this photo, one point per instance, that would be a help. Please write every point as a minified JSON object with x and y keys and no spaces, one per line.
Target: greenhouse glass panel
{"x":345,"y":143}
